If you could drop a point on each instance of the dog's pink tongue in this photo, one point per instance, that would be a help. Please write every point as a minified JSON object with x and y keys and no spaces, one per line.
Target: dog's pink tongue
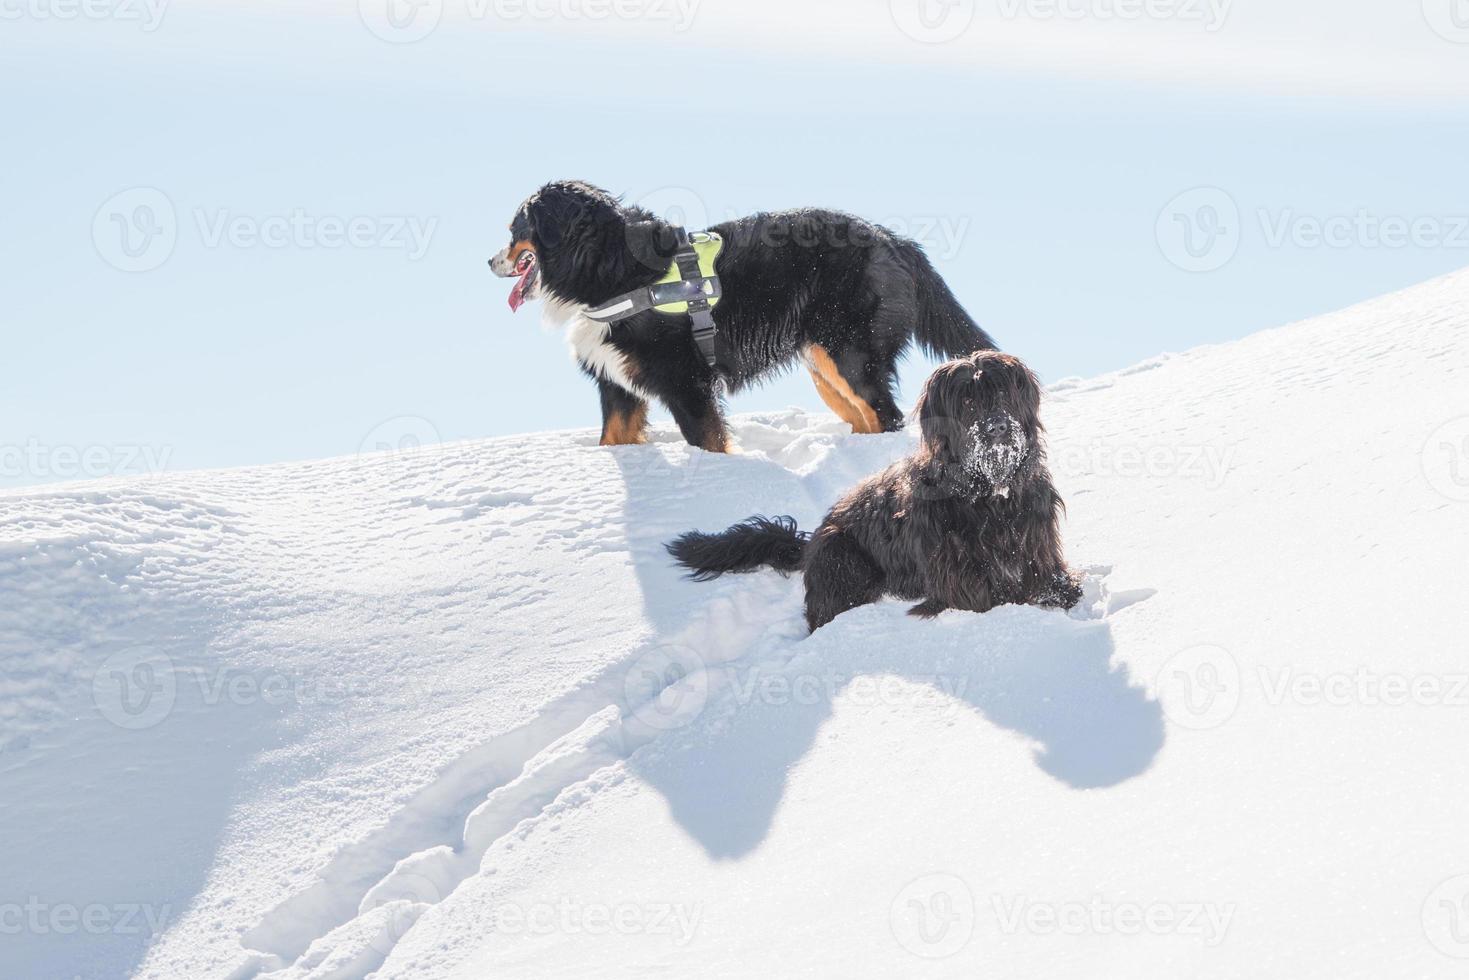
{"x":517,"y":292}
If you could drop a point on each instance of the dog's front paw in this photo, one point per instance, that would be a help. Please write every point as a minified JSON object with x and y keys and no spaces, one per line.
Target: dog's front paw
{"x":927,"y":609}
{"x":1064,"y":593}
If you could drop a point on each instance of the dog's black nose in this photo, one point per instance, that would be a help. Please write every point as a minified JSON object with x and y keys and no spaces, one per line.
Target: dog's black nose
{"x":996,"y":426}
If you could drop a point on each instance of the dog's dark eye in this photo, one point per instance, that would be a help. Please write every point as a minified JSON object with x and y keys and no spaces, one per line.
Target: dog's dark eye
{"x":968,"y":401}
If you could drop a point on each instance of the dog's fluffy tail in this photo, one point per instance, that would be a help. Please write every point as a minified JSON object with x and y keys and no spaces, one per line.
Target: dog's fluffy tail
{"x":760,"y":542}
{"x":944,"y":328}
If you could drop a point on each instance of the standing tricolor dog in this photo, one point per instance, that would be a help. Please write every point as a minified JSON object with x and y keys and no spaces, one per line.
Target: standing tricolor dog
{"x":657,"y":312}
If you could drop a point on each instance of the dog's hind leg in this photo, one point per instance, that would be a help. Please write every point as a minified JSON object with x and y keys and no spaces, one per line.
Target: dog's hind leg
{"x":863,"y":384}
{"x":877,"y":392}
{"x":844,"y":409}
{"x":624,"y":416}
{"x":839,"y":576}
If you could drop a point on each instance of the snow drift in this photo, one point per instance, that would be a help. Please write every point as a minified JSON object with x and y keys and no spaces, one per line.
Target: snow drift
{"x":452,"y":713}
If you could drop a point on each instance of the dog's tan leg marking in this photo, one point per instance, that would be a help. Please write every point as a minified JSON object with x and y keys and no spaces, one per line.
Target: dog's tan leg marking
{"x":833,"y":389}
{"x":835,"y":402}
{"x":627,"y":428}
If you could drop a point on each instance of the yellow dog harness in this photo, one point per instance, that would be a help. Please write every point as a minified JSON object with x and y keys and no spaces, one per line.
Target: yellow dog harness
{"x":690,"y":288}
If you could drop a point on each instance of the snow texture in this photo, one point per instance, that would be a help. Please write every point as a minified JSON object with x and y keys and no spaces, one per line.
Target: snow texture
{"x":453,"y":713}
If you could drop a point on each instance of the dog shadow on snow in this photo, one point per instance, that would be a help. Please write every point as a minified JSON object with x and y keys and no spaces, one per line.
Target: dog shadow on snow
{"x":723,"y":761}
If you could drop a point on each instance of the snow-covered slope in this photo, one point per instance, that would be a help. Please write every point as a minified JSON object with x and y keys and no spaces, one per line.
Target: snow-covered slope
{"x":451,"y":713}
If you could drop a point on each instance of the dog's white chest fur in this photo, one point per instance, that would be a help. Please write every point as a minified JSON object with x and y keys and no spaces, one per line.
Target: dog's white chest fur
{"x":589,"y":344}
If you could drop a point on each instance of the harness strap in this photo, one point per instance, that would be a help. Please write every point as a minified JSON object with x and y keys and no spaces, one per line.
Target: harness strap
{"x":705,"y":331}
{"x":692,"y":288}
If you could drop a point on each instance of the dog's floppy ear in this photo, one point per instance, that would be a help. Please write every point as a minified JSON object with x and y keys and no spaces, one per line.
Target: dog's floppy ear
{"x":556,"y":214}
{"x":652,"y":243}
{"x":937,"y":425}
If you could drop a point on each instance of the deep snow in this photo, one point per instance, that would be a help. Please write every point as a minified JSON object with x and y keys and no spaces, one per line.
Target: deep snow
{"x":451,"y":713}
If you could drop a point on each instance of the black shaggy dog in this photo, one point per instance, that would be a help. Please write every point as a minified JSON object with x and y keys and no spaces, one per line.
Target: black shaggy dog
{"x":845,"y":296}
{"x":970,"y":521}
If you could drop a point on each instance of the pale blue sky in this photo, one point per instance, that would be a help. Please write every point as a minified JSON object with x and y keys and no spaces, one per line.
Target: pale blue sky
{"x":1043,"y":193}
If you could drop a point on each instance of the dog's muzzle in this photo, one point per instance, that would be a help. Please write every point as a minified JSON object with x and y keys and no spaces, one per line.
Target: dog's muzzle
{"x":525,"y":267}
{"x":500,"y":264}
{"x":998,"y":448}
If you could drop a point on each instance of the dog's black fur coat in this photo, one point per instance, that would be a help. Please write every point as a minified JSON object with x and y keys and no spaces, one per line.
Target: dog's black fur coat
{"x":970,"y":521}
{"x":793,"y":282}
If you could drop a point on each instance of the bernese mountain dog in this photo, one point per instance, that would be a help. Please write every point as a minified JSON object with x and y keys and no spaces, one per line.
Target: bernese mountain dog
{"x":845,"y":296}
{"x":970,"y":521}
